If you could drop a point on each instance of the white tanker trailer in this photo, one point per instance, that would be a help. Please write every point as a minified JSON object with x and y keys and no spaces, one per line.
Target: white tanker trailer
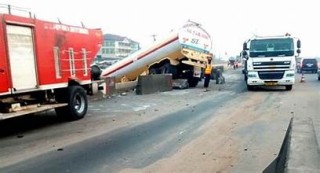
{"x":183,"y":54}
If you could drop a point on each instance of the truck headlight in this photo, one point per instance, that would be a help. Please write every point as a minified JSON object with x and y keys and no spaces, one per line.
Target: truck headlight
{"x":252,"y":75}
{"x":290,"y":75}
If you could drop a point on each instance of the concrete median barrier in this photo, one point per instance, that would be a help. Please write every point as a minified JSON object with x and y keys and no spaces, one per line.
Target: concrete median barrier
{"x":126,"y":86}
{"x":299,"y":151}
{"x":109,"y":86}
{"x":154,"y":83}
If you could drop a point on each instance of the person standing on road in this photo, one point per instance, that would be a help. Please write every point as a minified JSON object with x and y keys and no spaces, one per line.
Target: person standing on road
{"x":207,"y":73}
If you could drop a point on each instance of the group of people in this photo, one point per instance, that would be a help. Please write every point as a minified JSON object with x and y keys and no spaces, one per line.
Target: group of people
{"x":233,"y":64}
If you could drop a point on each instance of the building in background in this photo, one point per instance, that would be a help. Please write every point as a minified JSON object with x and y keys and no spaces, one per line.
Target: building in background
{"x":117,"y":47}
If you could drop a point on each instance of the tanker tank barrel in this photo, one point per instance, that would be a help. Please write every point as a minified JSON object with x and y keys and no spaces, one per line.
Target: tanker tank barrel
{"x":184,"y":50}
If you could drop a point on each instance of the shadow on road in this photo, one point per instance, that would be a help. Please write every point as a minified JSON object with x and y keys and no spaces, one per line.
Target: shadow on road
{"x":18,"y":126}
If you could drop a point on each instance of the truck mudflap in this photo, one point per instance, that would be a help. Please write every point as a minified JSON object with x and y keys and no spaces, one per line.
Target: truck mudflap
{"x":30,"y":109}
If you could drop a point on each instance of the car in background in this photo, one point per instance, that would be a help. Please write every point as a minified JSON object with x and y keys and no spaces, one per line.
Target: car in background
{"x":298,"y":64}
{"x":308,"y":64}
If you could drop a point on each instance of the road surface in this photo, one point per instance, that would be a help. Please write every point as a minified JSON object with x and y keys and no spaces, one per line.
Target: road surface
{"x":227,"y":129}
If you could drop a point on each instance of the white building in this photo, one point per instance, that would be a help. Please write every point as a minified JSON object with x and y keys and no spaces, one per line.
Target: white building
{"x":116,"y":47}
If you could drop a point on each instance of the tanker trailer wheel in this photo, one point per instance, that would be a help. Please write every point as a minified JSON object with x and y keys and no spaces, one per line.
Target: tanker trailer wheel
{"x":193,"y":81}
{"x":77,"y":104}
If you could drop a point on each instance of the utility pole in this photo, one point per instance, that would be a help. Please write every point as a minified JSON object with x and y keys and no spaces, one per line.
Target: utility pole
{"x":154,"y":37}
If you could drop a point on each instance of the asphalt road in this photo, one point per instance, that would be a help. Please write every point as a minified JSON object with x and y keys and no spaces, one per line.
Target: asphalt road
{"x":128,"y":147}
{"x":170,"y":122}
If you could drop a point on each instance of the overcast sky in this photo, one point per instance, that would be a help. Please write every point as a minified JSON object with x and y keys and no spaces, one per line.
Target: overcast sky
{"x":229,"y":22}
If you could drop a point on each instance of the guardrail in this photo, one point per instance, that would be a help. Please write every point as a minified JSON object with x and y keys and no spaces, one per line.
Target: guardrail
{"x":10,"y":9}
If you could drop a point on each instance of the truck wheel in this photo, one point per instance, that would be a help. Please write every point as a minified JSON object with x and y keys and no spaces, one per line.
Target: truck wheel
{"x":249,"y":87}
{"x":152,"y":71}
{"x":218,"y":77}
{"x":166,"y":68}
{"x":193,"y":81}
{"x":214,"y":74}
{"x":77,"y":104}
{"x":288,"y":87}
{"x":95,"y":72}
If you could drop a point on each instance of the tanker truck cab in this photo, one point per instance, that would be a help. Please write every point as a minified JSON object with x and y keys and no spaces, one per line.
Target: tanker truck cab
{"x":270,"y":61}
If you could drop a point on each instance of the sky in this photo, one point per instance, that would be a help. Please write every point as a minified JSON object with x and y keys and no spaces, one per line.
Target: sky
{"x":229,"y":22}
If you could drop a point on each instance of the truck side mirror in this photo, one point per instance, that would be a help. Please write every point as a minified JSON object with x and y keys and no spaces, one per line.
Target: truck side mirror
{"x":245,"y":46}
{"x":298,"y":44}
{"x":244,"y":55}
{"x":298,"y":51}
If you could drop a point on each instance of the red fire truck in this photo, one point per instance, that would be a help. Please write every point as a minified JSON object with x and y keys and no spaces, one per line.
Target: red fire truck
{"x":45,"y":65}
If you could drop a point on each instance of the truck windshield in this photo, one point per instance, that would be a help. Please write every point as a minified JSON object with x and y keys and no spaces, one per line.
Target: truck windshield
{"x":272,"y":47}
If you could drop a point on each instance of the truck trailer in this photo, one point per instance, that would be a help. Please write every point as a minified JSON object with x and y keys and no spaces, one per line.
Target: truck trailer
{"x":45,"y":65}
{"x":182,"y":53}
{"x":270,"y":61}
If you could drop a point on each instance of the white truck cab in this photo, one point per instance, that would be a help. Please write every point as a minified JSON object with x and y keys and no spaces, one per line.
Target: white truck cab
{"x":270,"y":61}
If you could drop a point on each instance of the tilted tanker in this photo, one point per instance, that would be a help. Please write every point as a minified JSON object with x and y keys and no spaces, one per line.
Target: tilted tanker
{"x":182,"y":53}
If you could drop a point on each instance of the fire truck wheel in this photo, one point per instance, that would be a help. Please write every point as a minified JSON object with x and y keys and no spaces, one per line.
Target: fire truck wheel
{"x":77,"y":104}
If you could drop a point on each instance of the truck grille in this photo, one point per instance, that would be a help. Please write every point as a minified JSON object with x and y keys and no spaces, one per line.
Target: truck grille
{"x":272,"y":65}
{"x":271,"y":74}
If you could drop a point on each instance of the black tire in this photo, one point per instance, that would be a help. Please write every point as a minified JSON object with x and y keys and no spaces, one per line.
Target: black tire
{"x":213,"y":74}
{"x":193,"y":81}
{"x":218,"y":77}
{"x":95,"y":72}
{"x":77,"y":104}
{"x":152,"y":71}
{"x":166,"y":68}
{"x":318,"y":77}
{"x":249,"y":87}
{"x":288,"y":87}
{"x":245,"y":78}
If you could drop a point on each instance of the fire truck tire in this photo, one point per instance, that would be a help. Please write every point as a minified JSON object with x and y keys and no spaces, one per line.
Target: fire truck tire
{"x":77,"y":104}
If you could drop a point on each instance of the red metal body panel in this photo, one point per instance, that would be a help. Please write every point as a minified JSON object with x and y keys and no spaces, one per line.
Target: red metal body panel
{"x":4,"y":69}
{"x":48,"y":36}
